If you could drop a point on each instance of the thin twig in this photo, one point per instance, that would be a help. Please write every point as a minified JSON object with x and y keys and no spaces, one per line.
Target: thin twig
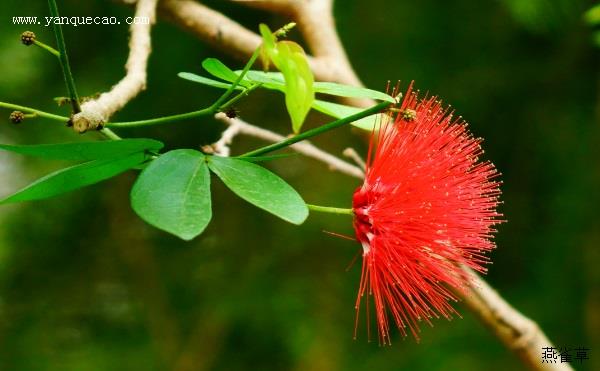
{"x":304,"y":148}
{"x":221,"y":147}
{"x":354,"y":156}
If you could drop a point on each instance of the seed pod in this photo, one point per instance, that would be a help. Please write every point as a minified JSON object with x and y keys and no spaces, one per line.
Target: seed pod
{"x":27,"y":38}
{"x":16,"y":117}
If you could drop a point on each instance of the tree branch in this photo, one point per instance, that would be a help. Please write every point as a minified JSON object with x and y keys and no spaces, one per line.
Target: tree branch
{"x":518,"y":333}
{"x":221,"y":147}
{"x":211,"y":26}
{"x":96,"y":112}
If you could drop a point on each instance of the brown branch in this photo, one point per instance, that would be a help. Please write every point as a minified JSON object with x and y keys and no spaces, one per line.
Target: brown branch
{"x":211,"y":26}
{"x":518,"y":333}
{"x":354,"y":156}
{"x":221,"y":147}
{"x":96,"y":112}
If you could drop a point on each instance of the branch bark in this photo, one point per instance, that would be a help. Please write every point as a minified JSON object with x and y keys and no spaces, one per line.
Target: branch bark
{"x":518,"y":333}
{"x":96,"y":112}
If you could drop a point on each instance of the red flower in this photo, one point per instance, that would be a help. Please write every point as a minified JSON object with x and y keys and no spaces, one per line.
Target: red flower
{"x":427,"y":206}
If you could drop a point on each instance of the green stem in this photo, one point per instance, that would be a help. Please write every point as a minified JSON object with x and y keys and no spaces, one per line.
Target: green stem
{"x":318,"y":130}
{"x":64,"y":60}
{"x":33,"y":110}
{"x":229,"y":91}
{"x":110,"y":134}
{"x":330,"y":210}
{"x":106,"y":131}
{"x":241,"y":95}
{"x":161,"y":120}
{"x":182,"y":116}
{"x":47,"y":47}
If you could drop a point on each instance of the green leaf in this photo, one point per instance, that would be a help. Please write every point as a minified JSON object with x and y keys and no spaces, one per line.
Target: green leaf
{"x":260,"y":187}
{"x":216,"y":68}
{"x":206,"y":81}
{"x":290,"y":59}
{"x":86,"y":151}
{"x":340,"y":111}
{"x":267,"y":47}
{"x":269,"y":80}
{"x":75,"y":177}
{"x":173,"y":193}
{"x":276,"y":81}
{"x":340,"y":90}
{"x":269,"y":39}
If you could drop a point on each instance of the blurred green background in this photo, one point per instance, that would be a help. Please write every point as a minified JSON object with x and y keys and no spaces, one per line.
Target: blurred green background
{"x":86,"y":285}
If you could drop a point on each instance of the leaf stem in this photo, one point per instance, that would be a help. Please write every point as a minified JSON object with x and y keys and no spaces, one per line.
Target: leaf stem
{"x":241,"y":95}
{"x":63,"y":58}
{"x":330,"y":210}
{"x":33,"y":110}
{"x":110,"y":134}
{"x":318,"y":130}
{"x":106,"y":131}
{"x":161,"y":120}
{"x":47,"y":48}
{"x":215,"y":106}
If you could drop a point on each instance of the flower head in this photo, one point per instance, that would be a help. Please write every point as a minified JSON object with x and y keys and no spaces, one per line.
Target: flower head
{"x":426,"y":208}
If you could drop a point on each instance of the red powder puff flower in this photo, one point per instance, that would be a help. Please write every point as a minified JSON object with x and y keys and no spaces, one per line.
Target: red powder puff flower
{"x":427,"y":206}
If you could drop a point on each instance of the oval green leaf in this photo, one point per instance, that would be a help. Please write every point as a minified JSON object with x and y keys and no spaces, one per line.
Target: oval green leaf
{"x":86,"y":151}
{"x":75,"y":177}
{"x":299,"y":93}
{"x":260,"y":187}
{"x":173,"y":193}
{"x":216,"y":68}
{"x":269,"y":80}
{"x":340,"y":111}
{"x":206,"y":81}
{"x":332,"y":88}
{"x":268,"y":45}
